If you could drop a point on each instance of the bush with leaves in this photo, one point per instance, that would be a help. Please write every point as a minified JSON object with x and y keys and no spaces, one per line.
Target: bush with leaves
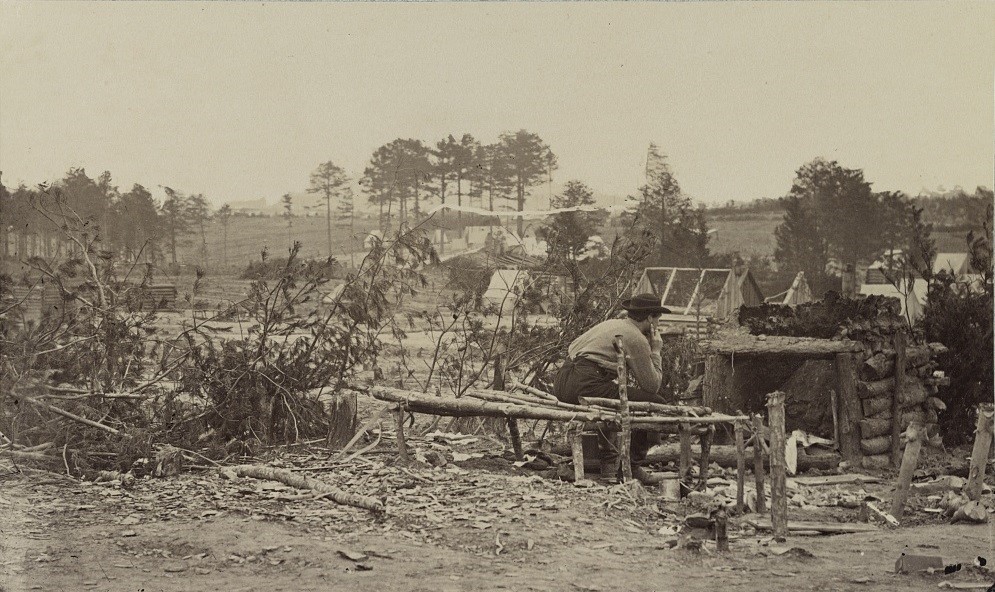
{"x":267,"y":385}
{"x":958,"y":314}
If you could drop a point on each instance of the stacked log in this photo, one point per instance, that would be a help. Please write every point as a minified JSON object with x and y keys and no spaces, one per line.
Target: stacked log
{"x":884,"y":389}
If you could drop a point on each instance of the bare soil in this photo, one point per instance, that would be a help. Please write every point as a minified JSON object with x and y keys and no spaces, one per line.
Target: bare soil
{"x":483,"y":524}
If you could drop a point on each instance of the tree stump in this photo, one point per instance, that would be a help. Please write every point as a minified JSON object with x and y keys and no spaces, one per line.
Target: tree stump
{"x":341,"y":419}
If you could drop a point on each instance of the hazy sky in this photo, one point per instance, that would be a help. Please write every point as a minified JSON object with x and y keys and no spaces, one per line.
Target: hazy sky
{"x":240,"y":100}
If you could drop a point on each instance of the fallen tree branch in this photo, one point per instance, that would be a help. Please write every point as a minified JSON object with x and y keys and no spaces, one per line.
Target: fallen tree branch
{"x":302,"y":482}
{"x":71,"y":416}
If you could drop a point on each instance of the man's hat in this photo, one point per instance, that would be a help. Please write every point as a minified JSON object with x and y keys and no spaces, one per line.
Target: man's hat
{"x":645,"y":303}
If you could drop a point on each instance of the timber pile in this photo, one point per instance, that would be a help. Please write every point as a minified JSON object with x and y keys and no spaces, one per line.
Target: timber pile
{"x":896,"y":387}
{"x":512,"y":405}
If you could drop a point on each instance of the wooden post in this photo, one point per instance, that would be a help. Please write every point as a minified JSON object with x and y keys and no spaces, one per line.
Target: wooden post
{"x":684,"y":463}
{"x":721,"y":531}
{"x":516,"y":436}
{"x":778,"y":468}
{"x":851,"y":412}
{"x":574,"y":434}
{"x":625,"y":454}
{"x":718,"y":385}
{"x":909,"y":461}
{"x":758,"y":462}
{"x":740,"y":465}
{"x":896,"y":415}
{"x":706,"y":450}
{"x":979,"y":454}
{"x":402,"y":447}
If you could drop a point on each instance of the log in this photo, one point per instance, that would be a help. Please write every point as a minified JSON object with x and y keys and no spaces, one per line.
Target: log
{"x":876,"y":388}
{"x":724,"y":455}
{"x":518,"y":399}
{"x":874,"y":446}
{"x":910,"y":459}
{"x":873,"y":427}
{"x":466,"y":406}
{"x":916,"y":356}
{"x":758,"y":462}
{"x":625,"y":454}
{"x":876,"y":462}
{"x":342,"y":414}
{"x":979,"y":454}
{"x":911,"y":393}
{"x":678,"y":410}
{"x":876,"y":405}
{"x":850,"y":410}
{"x":740,"y":466}
{"x":778,"y":465}
{"x":822,"y":527}
{"x":900,"y":386}
{"x":877,"y":367}
{"x":766,"y":345}
{"x":532,"y":391}
{"x":301,"y":482}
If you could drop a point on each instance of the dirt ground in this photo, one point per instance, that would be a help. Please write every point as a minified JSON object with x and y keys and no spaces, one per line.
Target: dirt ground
{"x":480,"y":524}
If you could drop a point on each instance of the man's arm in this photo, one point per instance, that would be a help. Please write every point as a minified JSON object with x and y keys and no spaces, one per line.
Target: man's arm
{"x":644,"y":360}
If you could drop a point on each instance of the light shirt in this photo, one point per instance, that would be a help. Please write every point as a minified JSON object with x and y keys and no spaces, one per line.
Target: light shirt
{"x":597,"y":345}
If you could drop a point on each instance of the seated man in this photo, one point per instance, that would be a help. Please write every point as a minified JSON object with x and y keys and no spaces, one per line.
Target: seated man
{"x":589,"y":371}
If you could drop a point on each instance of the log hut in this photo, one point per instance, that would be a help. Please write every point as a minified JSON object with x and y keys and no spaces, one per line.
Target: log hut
{"x":861,"y":394}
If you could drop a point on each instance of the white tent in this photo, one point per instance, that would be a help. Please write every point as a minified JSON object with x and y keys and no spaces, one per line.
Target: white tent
{"x":913,"y":306}
{"x":502,"y":290}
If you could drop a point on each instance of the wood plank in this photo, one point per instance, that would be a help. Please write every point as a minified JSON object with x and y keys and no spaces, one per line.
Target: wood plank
{"x":851,"y":412}
{"x":769,"y":344}
{"x":823,"y":527}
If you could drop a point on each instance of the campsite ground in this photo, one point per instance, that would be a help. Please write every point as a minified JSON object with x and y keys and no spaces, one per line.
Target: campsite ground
{"x":477,"y":523}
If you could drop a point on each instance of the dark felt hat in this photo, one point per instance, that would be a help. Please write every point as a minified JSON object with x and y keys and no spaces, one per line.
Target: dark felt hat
{"x":644,"y":303}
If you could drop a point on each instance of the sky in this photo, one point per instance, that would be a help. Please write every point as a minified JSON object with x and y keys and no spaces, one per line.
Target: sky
{"x":243,"y":100}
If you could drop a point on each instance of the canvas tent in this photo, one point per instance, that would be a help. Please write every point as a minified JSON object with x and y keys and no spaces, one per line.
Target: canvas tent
{"x":957,"y":264}
{"x":913,"y":306}
{"x":798,"y":293}
{"x":508,"y":285}
{"x":713,"y":293}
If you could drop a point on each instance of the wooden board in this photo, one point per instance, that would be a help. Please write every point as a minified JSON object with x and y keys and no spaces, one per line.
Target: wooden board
{"x":823,"y":527}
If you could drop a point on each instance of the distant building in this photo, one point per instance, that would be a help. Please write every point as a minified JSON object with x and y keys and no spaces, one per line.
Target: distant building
{"x":698,"y":297}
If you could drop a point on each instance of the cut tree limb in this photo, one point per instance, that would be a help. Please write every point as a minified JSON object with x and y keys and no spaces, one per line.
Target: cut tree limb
{"x":72,"y":416}
{"x":914,"y":438}
{"x":680,"y":410}
{"x":302,"y":482}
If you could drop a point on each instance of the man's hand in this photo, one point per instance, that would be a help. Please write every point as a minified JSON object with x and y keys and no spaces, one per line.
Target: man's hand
{"x":656,"y":342}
